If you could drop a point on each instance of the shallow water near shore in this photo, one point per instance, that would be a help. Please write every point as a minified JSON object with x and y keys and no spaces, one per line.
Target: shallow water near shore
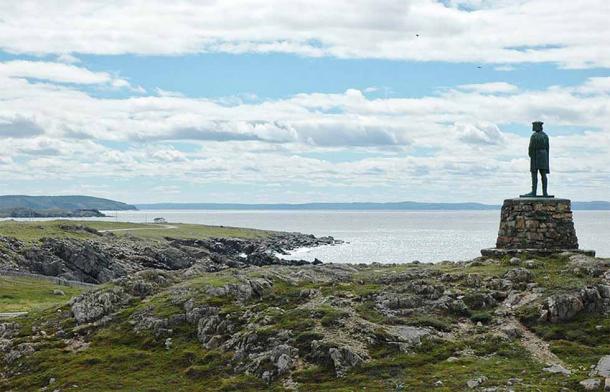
{"x":382,"y":236}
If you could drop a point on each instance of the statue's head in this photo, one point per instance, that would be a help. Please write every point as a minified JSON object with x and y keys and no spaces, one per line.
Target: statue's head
{"x":537,"y":126}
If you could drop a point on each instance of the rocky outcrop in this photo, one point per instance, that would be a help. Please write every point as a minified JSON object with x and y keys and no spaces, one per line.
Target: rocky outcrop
{"x":563,"y":307}
{"x":92,"y":306}
{"x":108,"y":257}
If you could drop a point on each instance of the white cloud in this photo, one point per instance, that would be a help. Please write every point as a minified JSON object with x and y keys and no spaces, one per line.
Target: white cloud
{"x":480,"y":133}
{"x":505,"y":68}
{"x":487,"y":88}
{"x":571,"y":33}
{"x":597,"y":85}
{"x":58,"y":73}
{"x":68,"y":58}
{"x":437,"y":144}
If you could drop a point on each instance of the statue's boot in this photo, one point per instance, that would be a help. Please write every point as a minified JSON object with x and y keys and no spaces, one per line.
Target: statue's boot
{"x":534,"y":186}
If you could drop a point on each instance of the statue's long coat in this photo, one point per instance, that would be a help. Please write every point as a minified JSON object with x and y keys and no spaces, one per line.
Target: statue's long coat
{"x":539,"y":152}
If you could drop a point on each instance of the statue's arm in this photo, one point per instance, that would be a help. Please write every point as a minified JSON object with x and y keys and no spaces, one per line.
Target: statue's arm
{"x":531,"y":148}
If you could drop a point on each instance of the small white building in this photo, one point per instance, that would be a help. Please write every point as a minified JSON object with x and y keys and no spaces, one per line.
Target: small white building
{"x":159,"y":220}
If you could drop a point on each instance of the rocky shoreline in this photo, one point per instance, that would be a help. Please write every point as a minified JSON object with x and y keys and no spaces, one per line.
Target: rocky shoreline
{"x":107,"y":256}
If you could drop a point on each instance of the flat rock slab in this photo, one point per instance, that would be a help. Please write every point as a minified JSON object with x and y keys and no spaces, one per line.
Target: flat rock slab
{"x":495,"y":252}
{"x":603,"y":367}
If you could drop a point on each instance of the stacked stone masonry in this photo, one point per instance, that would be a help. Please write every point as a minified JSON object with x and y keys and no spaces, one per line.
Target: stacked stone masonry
{"x":537,"y":223}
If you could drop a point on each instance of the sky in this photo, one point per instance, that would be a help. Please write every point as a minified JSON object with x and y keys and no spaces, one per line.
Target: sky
{"x":302,"y":101}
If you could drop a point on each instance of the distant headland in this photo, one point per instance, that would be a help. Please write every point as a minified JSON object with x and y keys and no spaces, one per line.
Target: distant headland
{"x":21,"y":206}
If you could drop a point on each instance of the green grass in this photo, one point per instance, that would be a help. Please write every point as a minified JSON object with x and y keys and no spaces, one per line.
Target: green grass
{"x":34,"y":231}
{"x":119,"y":359}
{"x":390,"y":370}
{"x":21,"y":294}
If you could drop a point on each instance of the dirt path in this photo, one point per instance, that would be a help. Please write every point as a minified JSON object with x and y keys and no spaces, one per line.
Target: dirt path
{"x":536,"y":346}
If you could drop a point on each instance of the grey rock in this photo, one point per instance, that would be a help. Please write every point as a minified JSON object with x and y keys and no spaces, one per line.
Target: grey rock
{"x":93,"y":305}
{"x":476,"y":382}
{"x":603,"y":367}
{"x":58,"y":292}
{"x":591,"y":384}
{"x":20,"y":351}
{"x":519,"y":275}
{"x":514,"y":261}
{"x":531,"y":264}
{"x":563,"y":307}
{"x":510,"y":331}
{"x":8,"y":330}
{"x":344,"y":359}
{"x":557,"y":369}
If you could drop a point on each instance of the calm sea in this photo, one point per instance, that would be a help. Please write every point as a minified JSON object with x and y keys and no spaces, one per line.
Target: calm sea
{"x":384,"y":236}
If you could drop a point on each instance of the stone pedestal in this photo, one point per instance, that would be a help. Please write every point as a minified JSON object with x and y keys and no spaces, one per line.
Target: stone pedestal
{"x":536,"y":225}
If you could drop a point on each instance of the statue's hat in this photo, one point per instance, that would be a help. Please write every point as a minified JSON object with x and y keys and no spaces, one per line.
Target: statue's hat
{"x":537,"y":123}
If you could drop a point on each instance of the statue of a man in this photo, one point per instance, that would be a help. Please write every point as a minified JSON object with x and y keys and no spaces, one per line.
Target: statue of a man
{"x":539,"y":159}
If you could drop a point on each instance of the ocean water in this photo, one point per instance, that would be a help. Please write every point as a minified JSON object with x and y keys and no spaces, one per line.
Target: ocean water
{"x":383,"y":236}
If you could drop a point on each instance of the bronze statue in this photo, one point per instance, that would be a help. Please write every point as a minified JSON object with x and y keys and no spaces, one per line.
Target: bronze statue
{"x":539,"y":159}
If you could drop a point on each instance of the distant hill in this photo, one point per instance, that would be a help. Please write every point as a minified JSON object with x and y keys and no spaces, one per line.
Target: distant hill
{"x":397,"y":206}
{"x":67,"y":203}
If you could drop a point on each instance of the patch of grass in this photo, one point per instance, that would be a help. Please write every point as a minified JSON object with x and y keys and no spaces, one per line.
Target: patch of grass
{"x":24,"y":294}
{"x":368,"y":311}
{"x":483,"y":317}
{"x":329,"y":316}
{"x":61,"y":228}
{"x":441,"y":323}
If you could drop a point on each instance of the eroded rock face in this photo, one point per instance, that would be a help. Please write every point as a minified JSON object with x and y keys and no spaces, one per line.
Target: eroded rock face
{"x":94,"y":305}
{"x":563,"y":307}
{"x":342,"y":358}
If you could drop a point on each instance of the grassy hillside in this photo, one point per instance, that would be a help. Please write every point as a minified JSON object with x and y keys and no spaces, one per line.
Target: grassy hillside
{"x":34,"y":231}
